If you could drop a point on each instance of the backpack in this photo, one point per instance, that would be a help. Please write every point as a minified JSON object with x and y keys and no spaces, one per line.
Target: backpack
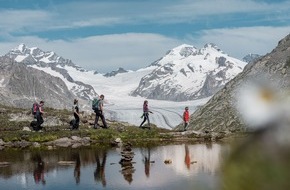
{"x":35,"y":108}
{"x":95,"y":104}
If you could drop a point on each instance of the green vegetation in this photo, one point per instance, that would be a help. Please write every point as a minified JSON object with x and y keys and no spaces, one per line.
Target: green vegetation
{"x":256,"y":166}
{"x":13,"y":120}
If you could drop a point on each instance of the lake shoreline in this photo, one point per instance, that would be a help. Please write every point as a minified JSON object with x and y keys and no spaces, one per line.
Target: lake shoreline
{"x":108,"y":137}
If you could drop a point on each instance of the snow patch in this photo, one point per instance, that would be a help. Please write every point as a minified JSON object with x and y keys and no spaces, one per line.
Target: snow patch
{"x":20,"y":58}
{"x":2,"y":83}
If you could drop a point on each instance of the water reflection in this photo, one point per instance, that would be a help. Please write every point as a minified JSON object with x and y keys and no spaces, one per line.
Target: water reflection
{"x":193,"y":165}
{"x":194,"y":158}
{"x":77,"y":170}
{"x":99,"y":174}
{"x":38,"y":172}
{"x":146,"y":159}
{"x":187,"y":157}
{"x":127,"y":168}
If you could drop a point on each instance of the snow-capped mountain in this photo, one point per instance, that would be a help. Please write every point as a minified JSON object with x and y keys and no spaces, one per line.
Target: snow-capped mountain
{"x":52,"y":64}
{"x":21,"y":86}
{"x":188,"y":73}
{"x":120,"y":106}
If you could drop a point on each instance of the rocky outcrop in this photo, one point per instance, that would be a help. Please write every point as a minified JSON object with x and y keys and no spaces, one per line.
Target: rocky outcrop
{"x":220,"y":114}
{"x":73,"y":141}
{"x":114,"y":73}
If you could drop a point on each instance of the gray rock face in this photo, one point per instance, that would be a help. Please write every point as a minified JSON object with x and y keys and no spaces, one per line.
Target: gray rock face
{"x":20,"y":86}
{"x":219,"y":113}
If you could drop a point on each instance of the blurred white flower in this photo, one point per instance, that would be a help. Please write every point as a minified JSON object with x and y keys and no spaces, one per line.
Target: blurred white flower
{"x":261,"y":103}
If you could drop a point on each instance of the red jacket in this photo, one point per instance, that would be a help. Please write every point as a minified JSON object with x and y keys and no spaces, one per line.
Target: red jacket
{"x":186,"y":116}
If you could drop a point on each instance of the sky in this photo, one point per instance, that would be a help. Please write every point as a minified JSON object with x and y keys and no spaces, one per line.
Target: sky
{"x":104,"y":35}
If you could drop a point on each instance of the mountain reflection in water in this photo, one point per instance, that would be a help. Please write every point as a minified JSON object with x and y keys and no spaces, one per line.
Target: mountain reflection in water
{"x":190,"y":166}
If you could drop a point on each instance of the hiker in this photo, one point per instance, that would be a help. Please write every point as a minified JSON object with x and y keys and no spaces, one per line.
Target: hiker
{"x":186,"y":118}
{"x":146,"y":112}
{"x":38,"y":115}
{"x":98,"y":108}
{"x":75,"y":123}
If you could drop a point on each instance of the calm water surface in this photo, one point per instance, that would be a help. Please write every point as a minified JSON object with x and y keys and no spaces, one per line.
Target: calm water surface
{"x":193,"y":166}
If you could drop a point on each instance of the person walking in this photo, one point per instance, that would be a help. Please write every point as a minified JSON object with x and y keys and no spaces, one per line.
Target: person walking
{"x":98,"y":108}
{"x":145,"y":115}
{"x":75,"y":123}
{"x":38,"y":115}
{"x":186,"y":118}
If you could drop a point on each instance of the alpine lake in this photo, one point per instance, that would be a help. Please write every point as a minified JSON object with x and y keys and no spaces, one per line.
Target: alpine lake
{"x":173,"y":166}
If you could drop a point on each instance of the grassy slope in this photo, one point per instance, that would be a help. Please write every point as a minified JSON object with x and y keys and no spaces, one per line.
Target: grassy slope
{"x":13,"y":120}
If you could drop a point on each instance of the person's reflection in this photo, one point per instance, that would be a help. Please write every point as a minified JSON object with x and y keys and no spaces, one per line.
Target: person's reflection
{"x":77,"y":170}
{"x":99,"y":173}
{"x":208,"y":145}
{"x":187,"y":157}
{"x":38,"y":172}
{"x":146,"y":160}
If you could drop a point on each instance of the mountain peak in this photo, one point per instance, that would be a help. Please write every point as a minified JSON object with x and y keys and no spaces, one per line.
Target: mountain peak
{"x":188,"y":73}
{"x":209,"y":45}
{"x":183,"y":46}
{"x":21,"y":47}
{"x":212,"y":46}
{"x":22,"y":53}
{"x":49,"y":61}
{"x":183,"y":50}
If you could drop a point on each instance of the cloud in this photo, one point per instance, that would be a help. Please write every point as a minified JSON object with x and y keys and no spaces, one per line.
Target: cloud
{"x":179,"y":11}
{"x":214,"y":7}
{"x":82,"y":14}
{"x":238,"y":42}
{"x":104,"y":53}
{"x":136,"y":50}
{"x":130,"y":50}
{"x":238,"y":27}
{"x":20,"y":20}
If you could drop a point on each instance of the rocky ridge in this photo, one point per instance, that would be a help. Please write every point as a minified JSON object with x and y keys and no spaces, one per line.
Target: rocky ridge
{"x":114,"y":73}
{"x":37,"y":58}
{"x":20,"y":86}
{"x":220,"y":114}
